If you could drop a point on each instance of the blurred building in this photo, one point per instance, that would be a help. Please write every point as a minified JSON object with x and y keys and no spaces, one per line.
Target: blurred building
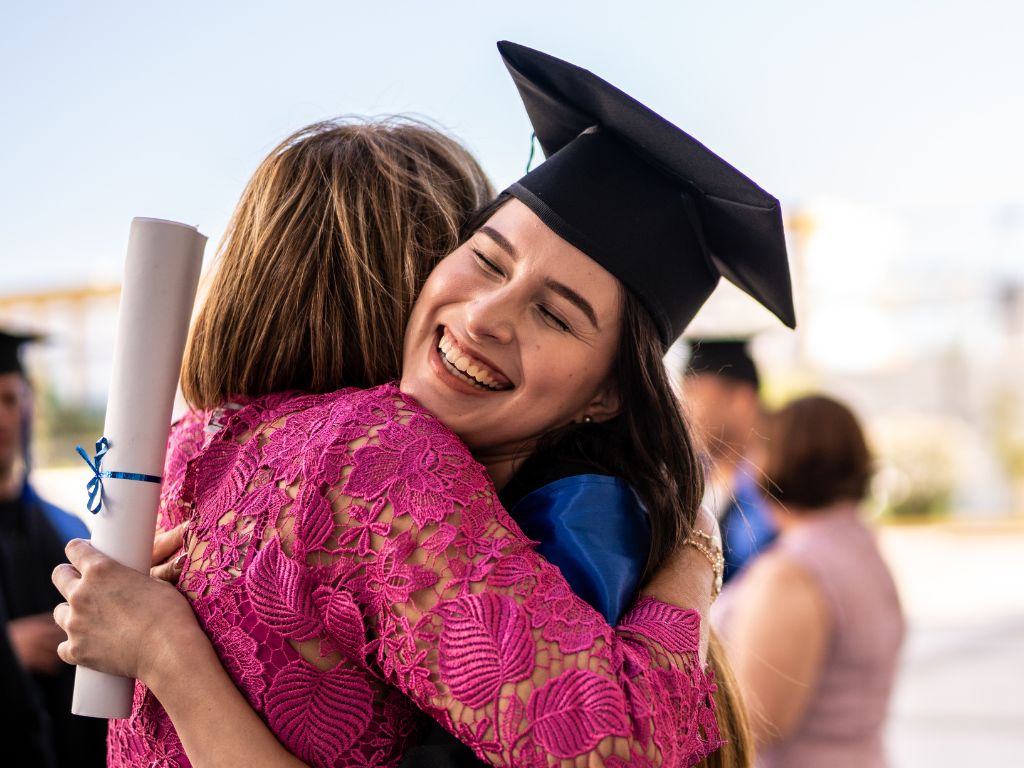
{"x":73,"y":362}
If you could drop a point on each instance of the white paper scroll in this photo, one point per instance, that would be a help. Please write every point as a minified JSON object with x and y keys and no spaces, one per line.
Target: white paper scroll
{"x":161,"y":274}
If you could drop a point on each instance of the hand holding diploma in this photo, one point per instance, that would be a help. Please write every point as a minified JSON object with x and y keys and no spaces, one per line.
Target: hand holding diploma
{"x":160,"y":279}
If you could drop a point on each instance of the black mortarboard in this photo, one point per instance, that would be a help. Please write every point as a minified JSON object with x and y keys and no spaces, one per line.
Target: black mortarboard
{"x":728,"y":358}
{"x":10,"y":345}
{"x":646,"y":201}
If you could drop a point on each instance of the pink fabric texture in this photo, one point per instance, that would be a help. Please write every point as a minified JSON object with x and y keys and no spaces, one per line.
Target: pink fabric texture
{"x":356,"y":573}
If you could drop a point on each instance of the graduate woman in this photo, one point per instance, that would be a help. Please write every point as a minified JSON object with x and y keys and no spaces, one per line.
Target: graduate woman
{"x":399,"y":570}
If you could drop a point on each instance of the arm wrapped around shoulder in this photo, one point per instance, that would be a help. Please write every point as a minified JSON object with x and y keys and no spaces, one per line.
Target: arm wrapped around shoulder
{"x":482,"y":633}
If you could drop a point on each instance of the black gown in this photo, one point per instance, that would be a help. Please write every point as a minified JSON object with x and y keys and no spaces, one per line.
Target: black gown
{"x":38,"y":727}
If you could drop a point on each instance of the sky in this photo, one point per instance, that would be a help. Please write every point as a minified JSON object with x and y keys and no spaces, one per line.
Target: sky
{"x":896,"y":124}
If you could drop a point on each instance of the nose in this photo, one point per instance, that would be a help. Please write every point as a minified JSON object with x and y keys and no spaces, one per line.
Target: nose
{"x":491,"y":317}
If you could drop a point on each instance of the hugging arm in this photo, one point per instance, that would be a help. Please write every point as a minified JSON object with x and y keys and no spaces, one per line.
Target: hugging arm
{"x":116,"y":607}
{"x":467,"y":620}
{"x":454,"y":608}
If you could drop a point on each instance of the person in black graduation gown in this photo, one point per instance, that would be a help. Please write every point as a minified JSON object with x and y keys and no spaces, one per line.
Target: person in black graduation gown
{"x":35,"y":712}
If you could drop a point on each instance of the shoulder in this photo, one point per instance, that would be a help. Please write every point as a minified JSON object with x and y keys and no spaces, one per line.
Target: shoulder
{"x":784,"y":588}
{"x":380,"y":433}
{"x":187,"y":433}
{"x":66,"y":525}
{"x":392,"y":422}
{"x":374,"y":411}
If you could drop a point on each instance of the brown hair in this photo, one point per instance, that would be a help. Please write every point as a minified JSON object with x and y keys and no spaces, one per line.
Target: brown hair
{"x":323,"y":258}
{"x":815,"y":454}
{"x":730,"y":714}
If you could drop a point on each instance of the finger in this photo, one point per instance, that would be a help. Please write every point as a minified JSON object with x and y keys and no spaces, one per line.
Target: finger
{"x":169,"y":571}
{"x":166,"y":543}
{"x":61,"y":615}
{"x":64,"y":651}
{"x":64,"y":577}
{"x":82,"y":554}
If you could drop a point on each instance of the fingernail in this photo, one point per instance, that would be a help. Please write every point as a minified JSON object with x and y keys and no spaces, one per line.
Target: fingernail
{"x":179,"y":562}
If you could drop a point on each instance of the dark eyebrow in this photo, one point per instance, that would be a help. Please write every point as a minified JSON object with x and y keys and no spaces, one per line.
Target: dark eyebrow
{"x":582,"y":304}
{"x":500,"y":240}
{"x":560,"y":288}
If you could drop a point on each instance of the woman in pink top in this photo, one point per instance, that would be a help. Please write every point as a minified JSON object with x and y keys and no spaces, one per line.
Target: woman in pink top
{"x":814,"y":627}
{"x":347,"y":556}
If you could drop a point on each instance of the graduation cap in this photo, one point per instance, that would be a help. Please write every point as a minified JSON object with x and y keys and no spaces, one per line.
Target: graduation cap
{"x":10,"y":346}
{"x":728,"y":358}
{"x":646,"y":201}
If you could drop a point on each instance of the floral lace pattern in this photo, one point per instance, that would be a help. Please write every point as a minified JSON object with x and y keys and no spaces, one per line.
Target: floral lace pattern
{"x":353,"y":568}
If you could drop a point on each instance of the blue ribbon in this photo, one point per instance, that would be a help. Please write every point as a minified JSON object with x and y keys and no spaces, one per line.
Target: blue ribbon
{"x":95,"y":486}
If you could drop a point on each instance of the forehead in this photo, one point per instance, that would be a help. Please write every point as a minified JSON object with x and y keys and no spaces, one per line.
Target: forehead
{"x":543,"y":254}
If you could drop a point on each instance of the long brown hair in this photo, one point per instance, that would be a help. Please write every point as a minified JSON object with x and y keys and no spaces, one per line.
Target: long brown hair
{"x":323,"y":258}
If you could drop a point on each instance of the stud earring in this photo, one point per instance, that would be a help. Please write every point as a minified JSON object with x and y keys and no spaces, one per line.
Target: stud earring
{"x":588,"y":419}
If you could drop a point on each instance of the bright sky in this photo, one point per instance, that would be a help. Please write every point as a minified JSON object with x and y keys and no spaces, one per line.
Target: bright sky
{"x":910,"y":111}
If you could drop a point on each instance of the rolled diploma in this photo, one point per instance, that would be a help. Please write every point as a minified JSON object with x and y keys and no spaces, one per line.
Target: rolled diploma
{"x":161,"y":274}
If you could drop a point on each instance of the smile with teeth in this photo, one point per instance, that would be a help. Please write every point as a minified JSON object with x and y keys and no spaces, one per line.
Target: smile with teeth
{"x":467,"y":367}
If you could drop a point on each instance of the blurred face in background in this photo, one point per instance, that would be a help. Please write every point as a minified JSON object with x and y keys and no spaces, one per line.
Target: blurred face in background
{"x":12,"y":405}
{"x":725,"y":412}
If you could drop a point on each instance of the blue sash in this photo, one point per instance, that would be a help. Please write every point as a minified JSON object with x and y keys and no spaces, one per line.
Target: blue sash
{"x":747,"y":525}
{"x":596,"y":530}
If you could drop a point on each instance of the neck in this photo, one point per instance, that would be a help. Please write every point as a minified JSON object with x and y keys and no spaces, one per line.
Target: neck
{"x":502,"y":462}
{"x":501,"y":469}
{"x":790,"y":517}
{"x":10,"y":484}
{"x":786,"y":519}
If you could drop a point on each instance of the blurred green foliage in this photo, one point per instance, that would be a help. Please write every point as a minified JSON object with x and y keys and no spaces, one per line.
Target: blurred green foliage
{"x":60,"y":426}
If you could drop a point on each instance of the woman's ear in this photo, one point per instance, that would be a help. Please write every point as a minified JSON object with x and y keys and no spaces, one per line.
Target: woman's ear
{"x":605,"y":405}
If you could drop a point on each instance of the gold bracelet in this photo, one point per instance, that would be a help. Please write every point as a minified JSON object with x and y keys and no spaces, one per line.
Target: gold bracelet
{"x":712,"y":550}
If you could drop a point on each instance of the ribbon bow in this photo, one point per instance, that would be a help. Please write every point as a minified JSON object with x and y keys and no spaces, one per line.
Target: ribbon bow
{"x":95,"y":485}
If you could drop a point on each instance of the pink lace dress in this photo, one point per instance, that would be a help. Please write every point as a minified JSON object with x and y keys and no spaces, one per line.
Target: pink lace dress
{"x":353,"y":568}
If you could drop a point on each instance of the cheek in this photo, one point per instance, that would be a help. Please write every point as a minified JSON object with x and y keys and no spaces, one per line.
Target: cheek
{"x":448,"y":284}
{"x":569,"y":380}
{"x":9,"y":414}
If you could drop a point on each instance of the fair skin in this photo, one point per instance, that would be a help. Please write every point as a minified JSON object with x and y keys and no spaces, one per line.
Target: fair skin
{"x":527,"y":312}
{"x":779,"y":635}
{"x":12,"y":403}
{"x":514,"y":318}
{"x":725,"y":413}
{"x":34,"y":638}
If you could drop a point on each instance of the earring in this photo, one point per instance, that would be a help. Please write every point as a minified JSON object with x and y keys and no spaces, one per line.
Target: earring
{"x":588,"y":419}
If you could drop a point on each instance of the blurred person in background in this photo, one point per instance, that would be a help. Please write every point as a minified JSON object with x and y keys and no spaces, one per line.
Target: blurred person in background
{"x":721,"y":389}
{"x":37,"y":685}
{"x":814,"y":626}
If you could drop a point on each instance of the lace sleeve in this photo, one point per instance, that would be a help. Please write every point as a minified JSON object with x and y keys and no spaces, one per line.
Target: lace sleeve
{"x":465,"y":618}
{"x":184,"y":441}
